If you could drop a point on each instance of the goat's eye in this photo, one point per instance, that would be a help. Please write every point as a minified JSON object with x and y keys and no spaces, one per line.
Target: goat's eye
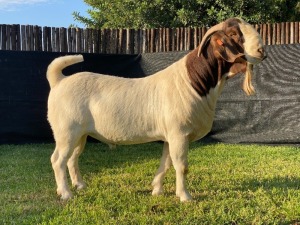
{"x":232,"y":34}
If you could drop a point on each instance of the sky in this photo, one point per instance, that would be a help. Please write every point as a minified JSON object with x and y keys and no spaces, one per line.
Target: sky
{"x":51,"y":13}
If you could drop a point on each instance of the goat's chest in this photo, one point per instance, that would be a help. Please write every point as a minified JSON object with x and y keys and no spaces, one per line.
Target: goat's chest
{"x":204,"y":112}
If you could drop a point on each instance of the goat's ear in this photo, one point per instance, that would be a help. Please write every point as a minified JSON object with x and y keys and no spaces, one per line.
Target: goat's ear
{"x":226,"y":50}
{"x":203,"y":44}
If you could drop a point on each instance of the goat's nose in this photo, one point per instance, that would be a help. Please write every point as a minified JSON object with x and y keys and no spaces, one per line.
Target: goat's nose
{"x":261,"y":51}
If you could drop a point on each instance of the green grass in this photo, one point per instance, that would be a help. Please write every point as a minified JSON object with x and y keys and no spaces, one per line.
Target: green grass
{"x":231,"y":184}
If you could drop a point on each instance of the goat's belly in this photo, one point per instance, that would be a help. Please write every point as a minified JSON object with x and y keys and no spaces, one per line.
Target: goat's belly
{"x":121,"y":134}
{"x":125,"y":139}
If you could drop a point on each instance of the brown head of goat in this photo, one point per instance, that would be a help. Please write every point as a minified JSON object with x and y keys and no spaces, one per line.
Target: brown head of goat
{"x":245,"y":36}
{"x":221,"y":56}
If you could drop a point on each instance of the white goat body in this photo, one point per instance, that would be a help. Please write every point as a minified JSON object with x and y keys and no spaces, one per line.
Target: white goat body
{"x":130,"y":111}
{"x":165,"y":106}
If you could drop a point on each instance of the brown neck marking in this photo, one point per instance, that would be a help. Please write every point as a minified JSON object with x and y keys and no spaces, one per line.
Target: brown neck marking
{"x":205,"y":71}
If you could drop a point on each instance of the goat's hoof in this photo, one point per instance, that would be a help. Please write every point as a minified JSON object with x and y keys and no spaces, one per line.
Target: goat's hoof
{"x":184,"y":197}
{"x":64,"y":195}
{"x":80,"y":186}
{"x":157,"y":191}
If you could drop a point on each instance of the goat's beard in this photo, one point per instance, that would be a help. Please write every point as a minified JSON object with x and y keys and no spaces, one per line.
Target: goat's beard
{"x":247,"y":85}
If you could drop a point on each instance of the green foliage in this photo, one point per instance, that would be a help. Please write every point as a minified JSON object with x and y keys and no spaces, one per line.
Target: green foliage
{"x":231,"y":184}
{"x":182,"y":13}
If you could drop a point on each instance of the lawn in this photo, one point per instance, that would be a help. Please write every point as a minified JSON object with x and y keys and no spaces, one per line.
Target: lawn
{"x":231,"y":184}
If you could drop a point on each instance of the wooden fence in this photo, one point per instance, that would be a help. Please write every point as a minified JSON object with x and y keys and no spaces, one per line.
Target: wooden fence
{"x":36,"y":38}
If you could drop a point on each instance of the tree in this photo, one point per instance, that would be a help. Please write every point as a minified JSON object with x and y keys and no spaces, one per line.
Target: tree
{"x":182,"y":13}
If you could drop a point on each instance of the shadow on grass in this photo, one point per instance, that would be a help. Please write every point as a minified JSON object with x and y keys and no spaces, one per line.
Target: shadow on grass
{"x":98,"y":156}
{"x":278,"y":184}
{"x":282,"y":183}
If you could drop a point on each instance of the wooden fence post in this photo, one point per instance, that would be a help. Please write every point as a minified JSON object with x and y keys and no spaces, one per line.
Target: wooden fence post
{"x":4,"y":37}
{"x":292,"y":33}
{"x":297,"y":32}
{"x":173,"y":40}
{"x":287,"y":33}
{"x":78,"y":40}
{"x":282,"y":33}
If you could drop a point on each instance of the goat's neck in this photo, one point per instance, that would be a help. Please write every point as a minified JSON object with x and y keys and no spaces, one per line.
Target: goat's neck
{"x":204,"y":71}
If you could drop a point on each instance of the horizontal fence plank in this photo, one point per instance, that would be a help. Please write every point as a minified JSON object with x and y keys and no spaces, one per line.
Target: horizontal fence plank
{"x":125,"y":41}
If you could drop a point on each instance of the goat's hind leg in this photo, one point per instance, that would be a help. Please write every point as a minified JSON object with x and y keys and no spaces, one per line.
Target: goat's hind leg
{"x":165,"y":164}
{"x":73,"y":167}
{"x":63,"y":150}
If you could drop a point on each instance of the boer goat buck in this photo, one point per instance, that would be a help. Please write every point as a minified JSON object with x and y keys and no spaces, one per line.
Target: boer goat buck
{"x":175,"y":105}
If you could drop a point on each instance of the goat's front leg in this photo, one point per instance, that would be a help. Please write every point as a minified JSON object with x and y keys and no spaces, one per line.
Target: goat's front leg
{"x":165,"y":164}
{"x":178,"y":148}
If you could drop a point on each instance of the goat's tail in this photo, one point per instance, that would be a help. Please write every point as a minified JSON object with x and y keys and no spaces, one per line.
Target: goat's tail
{"x":54,"y":71}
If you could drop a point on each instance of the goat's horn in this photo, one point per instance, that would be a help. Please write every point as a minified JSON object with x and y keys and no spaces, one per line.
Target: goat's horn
{"x":208,"y":34}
